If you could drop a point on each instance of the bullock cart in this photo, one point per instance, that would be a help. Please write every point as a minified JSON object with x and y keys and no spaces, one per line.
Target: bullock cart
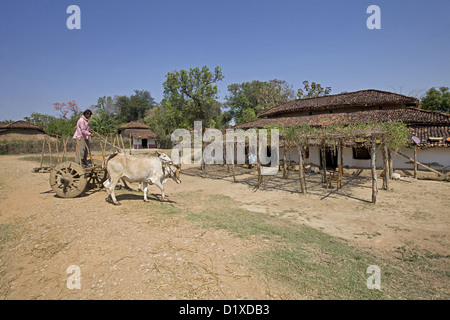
{"x":68,"y":179}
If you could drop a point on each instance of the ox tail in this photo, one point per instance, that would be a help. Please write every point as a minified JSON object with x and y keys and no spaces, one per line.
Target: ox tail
{"x":109,"y":158}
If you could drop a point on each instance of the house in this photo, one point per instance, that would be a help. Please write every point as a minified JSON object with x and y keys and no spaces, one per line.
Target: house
{"x":21,"y":130}
{"x":432,"y":128}
{"x":142,"y":135}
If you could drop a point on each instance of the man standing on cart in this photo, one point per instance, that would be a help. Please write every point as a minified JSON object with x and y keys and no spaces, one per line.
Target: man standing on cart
{"x":82,"y":135}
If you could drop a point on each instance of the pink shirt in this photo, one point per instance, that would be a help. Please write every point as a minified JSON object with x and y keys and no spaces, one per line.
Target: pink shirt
{"x":82,"y":129}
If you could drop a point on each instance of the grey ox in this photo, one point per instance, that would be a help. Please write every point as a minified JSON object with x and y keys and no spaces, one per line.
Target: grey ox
{"x":147,"y":170}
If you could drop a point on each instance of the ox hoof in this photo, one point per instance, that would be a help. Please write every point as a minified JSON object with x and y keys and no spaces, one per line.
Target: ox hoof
{"x":117,"y":203}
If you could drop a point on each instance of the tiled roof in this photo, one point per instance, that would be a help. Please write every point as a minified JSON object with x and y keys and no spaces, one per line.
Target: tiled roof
{"x":422,"y":123}
{"x":363,"y":98}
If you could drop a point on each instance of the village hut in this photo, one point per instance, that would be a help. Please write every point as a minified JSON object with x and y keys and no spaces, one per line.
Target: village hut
{"x":430,"y":129}
{"x":21,"y":130}
{"x":141,"y":134}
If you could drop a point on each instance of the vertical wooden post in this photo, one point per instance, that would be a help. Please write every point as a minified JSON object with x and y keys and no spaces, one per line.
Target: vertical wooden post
{"x":234,"y":173}
{"x":50,"y":150}
{"x":373,"y":159}
{"x":43,"y":148}
{"x":203,"y":165}
{"x":341,"y":153}
{"x":65,"y":149}
{"x":386,"y":179}
{"x":101,"y":147}
{"x":258,"y":162}
{"x":391,"y":163}
{"x":324,"y":163}
{"x":57,"y":150}
{"x":288,"y":149}
{"x":131,"y":143}
{"x":415,"y":162}
{"x":284,"y":160}
{"x":301,"y":168}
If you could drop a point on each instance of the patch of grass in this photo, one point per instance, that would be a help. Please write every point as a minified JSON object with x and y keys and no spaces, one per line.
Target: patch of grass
{"x":308,"y":261}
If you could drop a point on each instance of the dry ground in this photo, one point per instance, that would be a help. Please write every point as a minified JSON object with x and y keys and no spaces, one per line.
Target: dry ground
{"x":150,"y":251}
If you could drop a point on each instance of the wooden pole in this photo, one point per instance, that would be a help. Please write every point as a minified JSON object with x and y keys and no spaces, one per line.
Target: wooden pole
{"x":203,"y":161}
{"x":324,"y":163}
{"x":341,"y":153}
{"x":386,"y":179}
{"x":284,"y":160}
{"x":123,"y":144}
{"x":420,"y":164}
{"x":65,"y":149}
{"x":57,"y":150}
{"x":50,"y":149}
{"x":101,"y":147}
{"x":301,"y":168}
{"x":234,"y":173}
{"x":373,"y":159}
{"x":43,"y":148}
{"x":391,"y":163}
{"x":131,"y":140}
{"x":415,"y":162}
{"x":258,"y":163}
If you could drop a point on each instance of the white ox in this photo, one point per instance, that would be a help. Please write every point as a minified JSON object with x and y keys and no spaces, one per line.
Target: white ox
{"x":147,"y":170}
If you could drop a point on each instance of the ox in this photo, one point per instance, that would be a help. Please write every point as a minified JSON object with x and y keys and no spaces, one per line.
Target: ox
{"x":147,"y":170}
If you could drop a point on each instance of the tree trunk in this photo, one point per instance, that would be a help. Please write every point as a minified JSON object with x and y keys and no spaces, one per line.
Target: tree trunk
{"x":415,"y":162}
{"x":386,"y":180}
{"x":324,"y":164}
{"x":341,"y":153}
{"x":391,"y":164}
{"x":301,"y":168}
{"x":373,"y":159}
{"x":284,"y":162}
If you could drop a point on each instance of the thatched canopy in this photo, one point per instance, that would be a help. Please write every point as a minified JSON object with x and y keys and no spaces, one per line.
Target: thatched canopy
{"x":137,"y":130}
{"x":19,"y":126}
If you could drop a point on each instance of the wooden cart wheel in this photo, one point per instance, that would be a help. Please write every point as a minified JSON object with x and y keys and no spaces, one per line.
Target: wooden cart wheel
{"x":68,"y":179}
{"x":96,"y":178}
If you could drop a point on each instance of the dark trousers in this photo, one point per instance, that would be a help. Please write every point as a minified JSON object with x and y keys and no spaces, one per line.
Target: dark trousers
{"x":82,"y":152}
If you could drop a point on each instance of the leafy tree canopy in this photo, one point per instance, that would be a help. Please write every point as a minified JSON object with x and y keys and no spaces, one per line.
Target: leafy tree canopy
{"x":190,"y":96}
{"x":436,"y":100}
{"x":312,"y":91}
{"x":246,"y":100}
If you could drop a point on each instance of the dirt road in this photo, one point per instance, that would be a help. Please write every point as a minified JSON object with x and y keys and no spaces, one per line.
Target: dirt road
{"x":130,"y":252}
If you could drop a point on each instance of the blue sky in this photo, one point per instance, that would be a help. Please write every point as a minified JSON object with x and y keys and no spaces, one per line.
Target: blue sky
{"x":128,"y":45}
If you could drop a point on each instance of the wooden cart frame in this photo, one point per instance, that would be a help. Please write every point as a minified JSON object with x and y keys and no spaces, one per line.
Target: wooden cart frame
{"x":69,"y":179}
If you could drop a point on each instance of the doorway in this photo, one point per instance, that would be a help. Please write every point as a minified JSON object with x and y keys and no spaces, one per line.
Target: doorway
{"x":331,"y":157}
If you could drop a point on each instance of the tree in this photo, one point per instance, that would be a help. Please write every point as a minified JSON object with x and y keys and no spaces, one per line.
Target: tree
{"x":312,"y":91}
{"x":437,"y":100}
{"x":70,"y":108}
{"x":246,"y":100}
{"x":135,"y":107}
{"x":190,"y":96}
{"x":40,"y":119}
{"x":105,"y":119}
